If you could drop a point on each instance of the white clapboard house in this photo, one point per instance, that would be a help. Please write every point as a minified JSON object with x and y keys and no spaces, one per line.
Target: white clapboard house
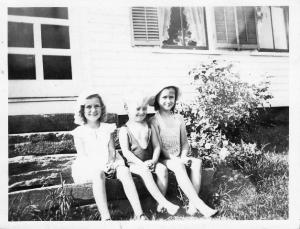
{"x":56,"y":52}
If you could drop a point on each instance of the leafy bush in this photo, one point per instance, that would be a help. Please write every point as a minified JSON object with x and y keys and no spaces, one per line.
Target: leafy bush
{"x":222,"y":105}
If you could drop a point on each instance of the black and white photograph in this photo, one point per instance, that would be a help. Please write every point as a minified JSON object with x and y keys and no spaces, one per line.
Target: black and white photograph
{"x":119,"y":113}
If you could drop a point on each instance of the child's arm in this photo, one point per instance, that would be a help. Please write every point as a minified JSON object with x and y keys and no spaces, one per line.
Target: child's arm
{"x":123,"y":139}
{"x":185,"y":147}
{"x":156,"y":150}
{"x":116,"y":160}
{"x":155,"y":144}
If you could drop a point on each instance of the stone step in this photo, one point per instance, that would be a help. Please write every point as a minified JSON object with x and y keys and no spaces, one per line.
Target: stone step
{"x":82,"y":193}
{"x":35,"y":137}
{"x":45,"y":143}
{"x":37,"y":171}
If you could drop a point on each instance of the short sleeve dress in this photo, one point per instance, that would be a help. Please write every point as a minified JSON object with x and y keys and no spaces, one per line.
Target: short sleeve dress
{"x":94,"y":155}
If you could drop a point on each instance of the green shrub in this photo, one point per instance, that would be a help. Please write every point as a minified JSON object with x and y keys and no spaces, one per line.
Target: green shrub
{"x":222,"y":105}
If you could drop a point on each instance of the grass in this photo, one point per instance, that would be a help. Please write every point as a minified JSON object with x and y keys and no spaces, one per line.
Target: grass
{"x":259,"y":192}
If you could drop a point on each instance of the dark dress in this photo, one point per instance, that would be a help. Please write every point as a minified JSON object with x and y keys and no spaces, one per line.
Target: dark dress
{"x":136,"y":149}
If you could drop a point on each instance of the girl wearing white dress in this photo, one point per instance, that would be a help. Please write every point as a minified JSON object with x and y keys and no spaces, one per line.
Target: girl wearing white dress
{"x":97,"y":159}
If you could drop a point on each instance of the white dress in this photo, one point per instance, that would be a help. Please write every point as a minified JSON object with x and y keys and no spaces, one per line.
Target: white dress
{"x":92,"y":151}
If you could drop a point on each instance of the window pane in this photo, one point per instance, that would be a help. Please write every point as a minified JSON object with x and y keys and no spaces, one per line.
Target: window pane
{"x":175,"y":31}
{"x":246,"y":25}
{"x":230,"y":24}
{"x":279,"y":27}
{"x":264,"y":28}
{"x":57,"y":67}
{"x":225,"y":25}
{"x":55,"y":36}
{"x":50,"y":12}
{"x":21,"y":66}
{"x":183,"y":27}
{"x":20,"y":35}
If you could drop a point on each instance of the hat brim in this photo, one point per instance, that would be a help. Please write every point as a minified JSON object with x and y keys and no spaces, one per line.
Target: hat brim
{"x":152,"y":98}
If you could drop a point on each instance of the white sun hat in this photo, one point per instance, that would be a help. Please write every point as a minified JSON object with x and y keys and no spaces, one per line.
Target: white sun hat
{"x":159,"y":87}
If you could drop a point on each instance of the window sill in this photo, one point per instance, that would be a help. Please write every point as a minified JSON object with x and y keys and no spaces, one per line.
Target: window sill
{"x":41,"y":99}
{"x":220,"y":52}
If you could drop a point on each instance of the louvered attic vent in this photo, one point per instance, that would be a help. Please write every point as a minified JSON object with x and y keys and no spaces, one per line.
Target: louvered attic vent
{"x":145,"y":26}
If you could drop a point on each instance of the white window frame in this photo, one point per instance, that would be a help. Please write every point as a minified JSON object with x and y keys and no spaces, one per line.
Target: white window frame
{"x":37,"y":50}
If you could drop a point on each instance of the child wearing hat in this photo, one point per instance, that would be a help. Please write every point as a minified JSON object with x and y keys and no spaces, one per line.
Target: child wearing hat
{"x":171,"y":131}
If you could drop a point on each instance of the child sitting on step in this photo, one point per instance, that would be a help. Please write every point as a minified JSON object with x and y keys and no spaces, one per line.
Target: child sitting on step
{"x":96,"y":156}
{"x":141,"y":149}
{"x":171,"y":131}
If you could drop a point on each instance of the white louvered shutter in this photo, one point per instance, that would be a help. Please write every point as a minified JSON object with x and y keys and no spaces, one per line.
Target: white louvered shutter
{"x":145,"y":29}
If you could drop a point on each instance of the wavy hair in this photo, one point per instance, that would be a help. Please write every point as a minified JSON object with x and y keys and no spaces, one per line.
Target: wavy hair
{"x":79,"y":117}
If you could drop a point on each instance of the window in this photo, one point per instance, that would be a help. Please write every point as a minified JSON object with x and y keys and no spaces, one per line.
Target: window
{"x":235,"y":27}
{"x":265,"y":28}
{"x":39,"y":43}
{"x":169,"y":27}
{"x":273,"y":28}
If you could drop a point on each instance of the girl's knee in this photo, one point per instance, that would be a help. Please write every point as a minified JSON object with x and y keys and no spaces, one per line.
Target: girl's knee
{"x":196,"y":164}
{"x":100,"y":175}
{"x":99,"y":178}
{"x":178,"y":165}
{"x":122,"y":172}
{"x":122,"y":169}
{"x":161,"y":171}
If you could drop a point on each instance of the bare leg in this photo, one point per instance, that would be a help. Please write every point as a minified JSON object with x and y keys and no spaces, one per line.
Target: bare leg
{"x":161,"y":172}
{"x":150,"y":184}
{"x":187,"y":187}
{"x":99,"y":192}
{"x":124,"y":175}
{"x":195,"y":176}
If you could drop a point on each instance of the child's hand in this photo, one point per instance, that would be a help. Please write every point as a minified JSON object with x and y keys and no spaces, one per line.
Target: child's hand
{"x":109,"y":169}
{"x":150,"y":164}
{"x":187,"y":161}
